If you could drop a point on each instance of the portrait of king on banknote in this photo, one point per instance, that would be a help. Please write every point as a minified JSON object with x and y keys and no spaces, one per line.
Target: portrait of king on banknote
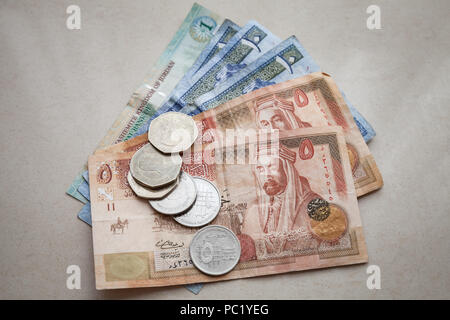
{"x":278,"y":113}
{"x":283,"y":194}
{"x":288,"y":208}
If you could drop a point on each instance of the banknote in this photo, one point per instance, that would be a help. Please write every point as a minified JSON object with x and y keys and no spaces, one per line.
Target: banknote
{"x":244,"y":47}
{"x":286,"y":61}
{"x":84,"y":189}
{"x":183,"y":50}
{"x":85,"y":175}
{"x":365,"y":128}
{"x":309,"y":101}
{"x":73,"y":189}
{"x":290,"y":200}
{"x":85,"y":215}
{"x":131,"y":145}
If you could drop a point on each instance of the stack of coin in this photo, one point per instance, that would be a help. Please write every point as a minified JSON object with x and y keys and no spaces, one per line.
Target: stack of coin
{"x":155,"y":174}
{"x":155,"y":169}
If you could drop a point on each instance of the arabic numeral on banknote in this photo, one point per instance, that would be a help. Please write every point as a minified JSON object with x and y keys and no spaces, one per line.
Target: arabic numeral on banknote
{"x":202,"y":28}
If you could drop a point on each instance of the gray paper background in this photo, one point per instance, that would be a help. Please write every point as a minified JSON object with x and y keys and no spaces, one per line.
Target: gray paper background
{"x":61,"y":90}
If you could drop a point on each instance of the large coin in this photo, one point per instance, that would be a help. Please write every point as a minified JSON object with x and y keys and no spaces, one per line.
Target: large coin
{"x":172,"y":132}
{"x":205,"y":208}
{"x":180,"y":199}
{"x":215,"y":250}
{"x":154,"y":169}
{"x":149,"y":193}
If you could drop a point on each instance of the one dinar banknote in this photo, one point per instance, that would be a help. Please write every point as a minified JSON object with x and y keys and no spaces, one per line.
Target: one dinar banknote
{"x":310,"y":101}
{"x":183,"y":50}
{"x":289,"y":198}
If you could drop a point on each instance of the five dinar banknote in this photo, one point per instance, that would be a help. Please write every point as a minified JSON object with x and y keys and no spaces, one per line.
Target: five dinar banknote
{"x":277,"y":137}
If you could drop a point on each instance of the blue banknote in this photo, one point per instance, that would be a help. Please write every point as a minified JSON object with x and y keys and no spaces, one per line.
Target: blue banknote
{"x":83,"y":188}
{"x":286,"y":61}
{"x":195,"y":288}
{"x":363,"y":125}
{"x":249,"y":43}
{"x":85,"y":175}
{"x":85,"y":213}
{"x":263,"y":64}
{"x":73,"y":189}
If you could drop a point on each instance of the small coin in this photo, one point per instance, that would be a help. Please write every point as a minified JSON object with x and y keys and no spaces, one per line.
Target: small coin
{"x":149,"y":193}
{"x":205,"y":208}
{"x":172,"y":132}
{"x":153,"y":168}
{"x":180,"y":199}
{"x":333,"y":226}
{"x":215,"y":250}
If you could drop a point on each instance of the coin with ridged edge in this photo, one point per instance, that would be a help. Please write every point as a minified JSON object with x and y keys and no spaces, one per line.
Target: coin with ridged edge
{"x":172,"y":132}
{"x":205,"y":208}
{"x":153,"y":168}
{"x":332,"y":227}
{"x":215,"y":250}
{"x":149,"y":193}
{"x":180,"y":199}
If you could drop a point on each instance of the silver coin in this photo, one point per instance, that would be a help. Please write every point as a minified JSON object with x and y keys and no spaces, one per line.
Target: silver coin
{"x":172,"y":132}
{"x":215,"y":250}
{"x":180,"y":199}
{"x":149,"y":193}
{"x":205,"y":208}
{"x":153,"y":168}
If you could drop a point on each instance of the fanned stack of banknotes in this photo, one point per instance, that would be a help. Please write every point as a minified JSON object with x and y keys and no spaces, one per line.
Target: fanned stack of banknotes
{"x":270,"y":144}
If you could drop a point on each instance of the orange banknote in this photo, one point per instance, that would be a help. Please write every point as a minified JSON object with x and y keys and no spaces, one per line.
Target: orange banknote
{"x":288,"y":195}
{"x":310,"y":101}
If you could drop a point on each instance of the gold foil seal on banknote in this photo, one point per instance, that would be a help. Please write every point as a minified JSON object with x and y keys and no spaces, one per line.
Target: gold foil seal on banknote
{"x":328,"y":221}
